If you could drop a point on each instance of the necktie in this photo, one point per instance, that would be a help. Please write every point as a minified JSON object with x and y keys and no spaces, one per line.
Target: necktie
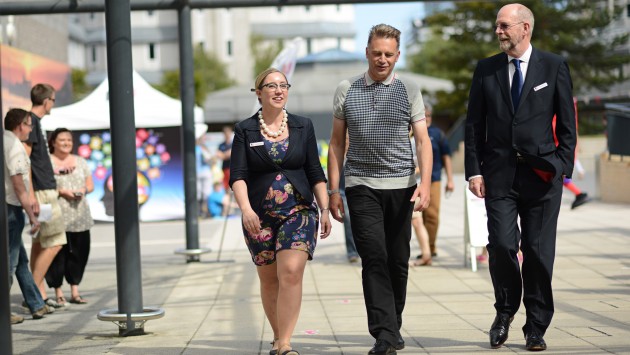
{"x":517,"y":83}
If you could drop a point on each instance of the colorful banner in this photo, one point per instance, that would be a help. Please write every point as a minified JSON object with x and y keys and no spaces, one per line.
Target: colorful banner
{"x":20,"y":71}
{"x":159,"y":169}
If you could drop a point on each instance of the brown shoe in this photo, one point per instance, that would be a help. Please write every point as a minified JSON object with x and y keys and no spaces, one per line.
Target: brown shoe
{"x":40,"y":313}
{"x":16,"y":319}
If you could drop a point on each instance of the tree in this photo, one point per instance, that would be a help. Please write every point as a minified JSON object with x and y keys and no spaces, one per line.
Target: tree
{"x":79,"y":87}
{"x":264,"y":52}
{"x":210,"y":74}
{"x":463,"y":35}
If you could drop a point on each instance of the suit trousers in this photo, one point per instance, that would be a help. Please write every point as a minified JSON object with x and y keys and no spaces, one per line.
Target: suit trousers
{"x":538,"y":205}
{"x":431,"y":216}
{"x":381,"y":227}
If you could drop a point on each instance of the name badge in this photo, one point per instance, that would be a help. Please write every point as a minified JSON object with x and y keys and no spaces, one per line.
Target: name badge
{"x":256,"y":144}
{"x":543,"y":85}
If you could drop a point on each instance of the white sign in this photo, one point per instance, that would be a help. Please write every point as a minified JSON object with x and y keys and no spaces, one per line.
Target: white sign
{"x":475,"y":226}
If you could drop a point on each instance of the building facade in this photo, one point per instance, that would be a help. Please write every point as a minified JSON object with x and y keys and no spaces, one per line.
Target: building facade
{"x":224,"y":32}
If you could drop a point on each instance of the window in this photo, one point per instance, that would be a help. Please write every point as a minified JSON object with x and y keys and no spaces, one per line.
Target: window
{"x":93,"y":54}
{"x":338,"y":42}
{"x":151,"y":50}
{"x":229,"y":48}
{"x":309,"y":47}
{"x":307,"y":8}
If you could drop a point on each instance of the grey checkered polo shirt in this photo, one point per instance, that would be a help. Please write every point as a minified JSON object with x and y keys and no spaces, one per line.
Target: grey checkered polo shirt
{"x":378,"y":116}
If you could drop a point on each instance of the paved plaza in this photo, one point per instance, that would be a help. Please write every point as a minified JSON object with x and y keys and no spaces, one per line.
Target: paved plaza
{"x":213,"y":307}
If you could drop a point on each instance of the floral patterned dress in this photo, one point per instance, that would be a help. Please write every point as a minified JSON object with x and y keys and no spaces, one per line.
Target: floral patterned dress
{"x":289,"y":221}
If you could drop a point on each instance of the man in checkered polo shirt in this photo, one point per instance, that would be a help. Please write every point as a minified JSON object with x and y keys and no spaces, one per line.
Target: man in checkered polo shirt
{"x":378,"y":109}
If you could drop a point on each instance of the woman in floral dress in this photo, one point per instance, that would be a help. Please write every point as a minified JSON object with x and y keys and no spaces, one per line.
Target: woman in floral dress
{"x":275,"y":171}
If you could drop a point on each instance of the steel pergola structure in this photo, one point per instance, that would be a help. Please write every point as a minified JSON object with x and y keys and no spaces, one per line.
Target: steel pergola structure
{"x":118,"y":30}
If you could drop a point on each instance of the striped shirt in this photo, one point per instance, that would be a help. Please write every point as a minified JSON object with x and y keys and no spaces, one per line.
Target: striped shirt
{"x":379,"y":116}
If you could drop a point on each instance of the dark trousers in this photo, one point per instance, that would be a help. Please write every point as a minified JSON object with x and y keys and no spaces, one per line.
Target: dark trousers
{"x":381,"y":227}
{"x":538,"y":204}
{"x":70,"y":261}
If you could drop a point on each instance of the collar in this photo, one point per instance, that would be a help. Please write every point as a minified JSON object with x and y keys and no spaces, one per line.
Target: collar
{"x":369,"y":81}
{"x":11,"y":134}
{"x":525,"y":57}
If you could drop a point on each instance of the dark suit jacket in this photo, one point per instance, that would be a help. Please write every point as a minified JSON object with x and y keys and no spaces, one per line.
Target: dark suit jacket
{"x":495,"y":133}
{"x":251,"y":161}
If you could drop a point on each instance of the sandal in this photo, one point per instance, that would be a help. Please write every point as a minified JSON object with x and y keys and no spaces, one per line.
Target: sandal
{"x":273,"y":351}
{"x":420,"y":262}
{"x":77,"y":300}
{"x":287,"y":351}
{"x":62,"y":301}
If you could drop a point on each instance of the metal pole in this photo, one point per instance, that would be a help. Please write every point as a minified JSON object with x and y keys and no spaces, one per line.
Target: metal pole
{"x":123,"y":131}
{"x":5,"y":303}
{"x":187,"y":93}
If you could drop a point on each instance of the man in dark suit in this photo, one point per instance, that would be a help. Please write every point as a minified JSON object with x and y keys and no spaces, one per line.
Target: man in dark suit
{"x":512,"y":161}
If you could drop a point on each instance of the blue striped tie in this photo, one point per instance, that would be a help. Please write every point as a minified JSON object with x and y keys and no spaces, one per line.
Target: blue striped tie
{"x":517,"y":83}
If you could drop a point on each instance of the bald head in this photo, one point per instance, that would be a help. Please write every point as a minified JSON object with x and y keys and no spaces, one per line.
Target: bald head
{"x":514,"y":26}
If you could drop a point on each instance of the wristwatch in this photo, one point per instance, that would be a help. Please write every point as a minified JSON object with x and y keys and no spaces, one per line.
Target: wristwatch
{"x":332,"y":192}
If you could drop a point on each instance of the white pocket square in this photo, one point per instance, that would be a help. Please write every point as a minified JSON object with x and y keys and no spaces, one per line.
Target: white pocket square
{"x":541,"y":86}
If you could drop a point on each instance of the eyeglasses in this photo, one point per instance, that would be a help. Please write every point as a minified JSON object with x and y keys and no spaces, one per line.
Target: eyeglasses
{"x":51,"y":99}
{"x":27,"y":124}
{"x":274,"y":86}
{"x":505,"y":26}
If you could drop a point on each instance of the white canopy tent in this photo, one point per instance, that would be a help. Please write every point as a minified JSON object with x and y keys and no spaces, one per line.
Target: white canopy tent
{"x":158,"y":119}
{"x":151,"y":107}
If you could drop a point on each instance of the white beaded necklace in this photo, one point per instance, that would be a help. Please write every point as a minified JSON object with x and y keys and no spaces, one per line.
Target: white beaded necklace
{"x":265,"y":129}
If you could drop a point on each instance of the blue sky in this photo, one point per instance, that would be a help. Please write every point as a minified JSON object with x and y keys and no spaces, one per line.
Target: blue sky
{"x":398,"y":14}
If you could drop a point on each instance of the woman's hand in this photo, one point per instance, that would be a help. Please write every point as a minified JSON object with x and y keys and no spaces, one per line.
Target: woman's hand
{"x":325,"y":224}
{"x":251,"y":222}
{"x":71,"y":195}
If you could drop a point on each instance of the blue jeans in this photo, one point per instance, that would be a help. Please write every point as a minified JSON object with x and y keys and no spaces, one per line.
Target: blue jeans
{"x":351,"y":249}
{"x":18,"y":260}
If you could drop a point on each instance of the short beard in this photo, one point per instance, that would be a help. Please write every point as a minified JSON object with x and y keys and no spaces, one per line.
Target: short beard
{"x":506,"y":46}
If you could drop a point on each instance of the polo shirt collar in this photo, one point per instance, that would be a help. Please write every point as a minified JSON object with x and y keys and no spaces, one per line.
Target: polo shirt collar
{"x":388,"y":81}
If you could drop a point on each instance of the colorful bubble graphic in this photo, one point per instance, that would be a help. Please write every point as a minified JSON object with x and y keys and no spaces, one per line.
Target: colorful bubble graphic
{"x":151,"y":155}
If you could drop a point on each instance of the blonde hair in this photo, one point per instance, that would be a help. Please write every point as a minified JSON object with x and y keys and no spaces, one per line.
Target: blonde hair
{"x":261,"y":77}
{"x":384,"y":31}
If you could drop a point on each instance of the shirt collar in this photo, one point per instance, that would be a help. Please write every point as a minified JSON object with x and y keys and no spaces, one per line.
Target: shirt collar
{"x":369,"y":81}
{"x":525,"y":57}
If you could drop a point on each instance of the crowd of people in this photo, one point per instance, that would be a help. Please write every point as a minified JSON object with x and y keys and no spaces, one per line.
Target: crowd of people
{"x":49,"y":183}
{"x":384,"y":175}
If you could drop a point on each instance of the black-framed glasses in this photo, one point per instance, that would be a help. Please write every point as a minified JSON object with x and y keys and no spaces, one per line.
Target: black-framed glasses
{"x":51,"y":99}
{"x":274,"y":86}
{"x":27,"y":124}
{"x":505,"y":26}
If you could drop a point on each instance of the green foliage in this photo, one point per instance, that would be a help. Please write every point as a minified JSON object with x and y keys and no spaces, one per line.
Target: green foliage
{"x":210,"y":74}
{"x":79,"y":87}
{"x":264,"y":52}
{"x":464,"y":34}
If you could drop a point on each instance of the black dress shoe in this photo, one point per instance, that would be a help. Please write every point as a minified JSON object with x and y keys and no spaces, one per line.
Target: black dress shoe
{"x":499,"y":330}
{"x":382,"y":347}
{"x":580,"y":199}
{"x":535,"y":342}
{"x":400,"y":345}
